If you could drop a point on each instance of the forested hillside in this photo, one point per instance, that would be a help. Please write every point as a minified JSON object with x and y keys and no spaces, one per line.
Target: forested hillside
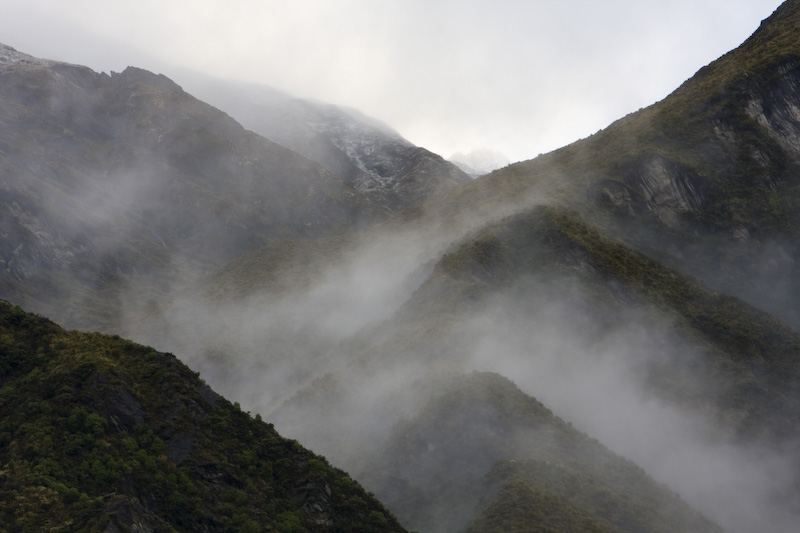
{"x":107,"y":435}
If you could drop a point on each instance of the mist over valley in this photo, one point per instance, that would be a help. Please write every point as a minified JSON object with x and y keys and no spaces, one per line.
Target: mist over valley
{"x":602,"y":338}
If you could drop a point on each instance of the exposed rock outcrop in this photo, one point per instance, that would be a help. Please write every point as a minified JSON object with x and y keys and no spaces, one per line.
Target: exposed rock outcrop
{"x":776,"y":107}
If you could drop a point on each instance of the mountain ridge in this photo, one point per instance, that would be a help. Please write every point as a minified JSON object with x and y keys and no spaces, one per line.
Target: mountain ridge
{"x":109,"y":178}
{"x":113,"y":436}
{"x":366,"y":153}
{"x":660,"y":208}
{"x":638,"y":284}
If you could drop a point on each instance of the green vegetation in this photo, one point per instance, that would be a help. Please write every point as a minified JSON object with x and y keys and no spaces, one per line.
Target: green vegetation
{"x":749,"y":351}
{"x":525,"y":468}
{"x":545,"y":496}
{"x":521,"y":508}
{"x":95,"y":430}
{"x":704,"y":181}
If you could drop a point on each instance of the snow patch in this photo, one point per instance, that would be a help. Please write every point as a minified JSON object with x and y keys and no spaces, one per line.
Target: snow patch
{"x":10,"y":57}
{"x":479,"y":162}
{"x":358,"y":136}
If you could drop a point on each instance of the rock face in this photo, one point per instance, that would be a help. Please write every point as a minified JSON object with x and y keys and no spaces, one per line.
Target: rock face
{"x":775,"y":107}
{"x":662,"y":186}
{"x":366,"y":153}
{"x":130,"y":515}
{"x":10,"y":56}
{"x":657,"y":187}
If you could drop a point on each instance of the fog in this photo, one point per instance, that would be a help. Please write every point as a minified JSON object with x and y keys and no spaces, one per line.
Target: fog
{"x":348,"y":339}
{"x":339,"y":341}
{"x":344,"y":340}
{"x":288,"y":328}
{"x":598,"y":373}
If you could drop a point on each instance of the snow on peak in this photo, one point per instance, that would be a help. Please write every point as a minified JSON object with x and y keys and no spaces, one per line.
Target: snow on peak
{"x":10,"y":56}
{"x":480,"y":161}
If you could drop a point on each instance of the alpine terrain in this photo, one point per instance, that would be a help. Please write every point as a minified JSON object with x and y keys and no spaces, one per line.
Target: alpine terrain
{"x":364,"y":152}
{"x":605,"y":338}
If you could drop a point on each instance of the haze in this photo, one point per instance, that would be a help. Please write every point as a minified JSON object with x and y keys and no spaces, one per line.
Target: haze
{"x":522,"y":78}
{"x":343,"y":341}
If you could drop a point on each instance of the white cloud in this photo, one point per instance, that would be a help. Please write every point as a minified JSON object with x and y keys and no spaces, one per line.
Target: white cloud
{"x":520,"y":77}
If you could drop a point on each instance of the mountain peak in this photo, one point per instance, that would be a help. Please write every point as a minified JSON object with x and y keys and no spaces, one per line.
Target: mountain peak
{"x":135,"y":74}
{"x":479,"y":161}
{"x":10,"y":56}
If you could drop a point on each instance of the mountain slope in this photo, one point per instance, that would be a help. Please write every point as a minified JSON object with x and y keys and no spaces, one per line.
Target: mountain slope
{"x":618,"y":307}
{"x":365,"y":153}
{"x":112,"y":436}
{"x":482,"y":425}
{"x":607,"y":338}
{"x":612,"y":280}
{"x":705,"y":180}
{"x":126,"y":179}
{"x":548,"y":244}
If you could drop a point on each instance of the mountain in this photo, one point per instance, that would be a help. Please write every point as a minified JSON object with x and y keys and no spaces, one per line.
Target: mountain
{"x":603,"y":338}
{"x":125,"y":179}
{"x":705,"y":180}
{"x":638,"y":283}
{"x":108,"y":435}
{"x":659,"y":369}
{"x":366,"y":153}
{"x":479,"y":162}
{"x":481,"y":427}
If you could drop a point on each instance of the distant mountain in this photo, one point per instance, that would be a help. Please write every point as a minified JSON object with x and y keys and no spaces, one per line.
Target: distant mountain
{"x":109,"y":181}
{"x":108,"y":435}
{"x":479,"y":162}
{"x":366,"y":153}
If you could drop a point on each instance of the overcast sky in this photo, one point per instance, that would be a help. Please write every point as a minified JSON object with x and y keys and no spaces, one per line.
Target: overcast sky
{"x":521,"y":77}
